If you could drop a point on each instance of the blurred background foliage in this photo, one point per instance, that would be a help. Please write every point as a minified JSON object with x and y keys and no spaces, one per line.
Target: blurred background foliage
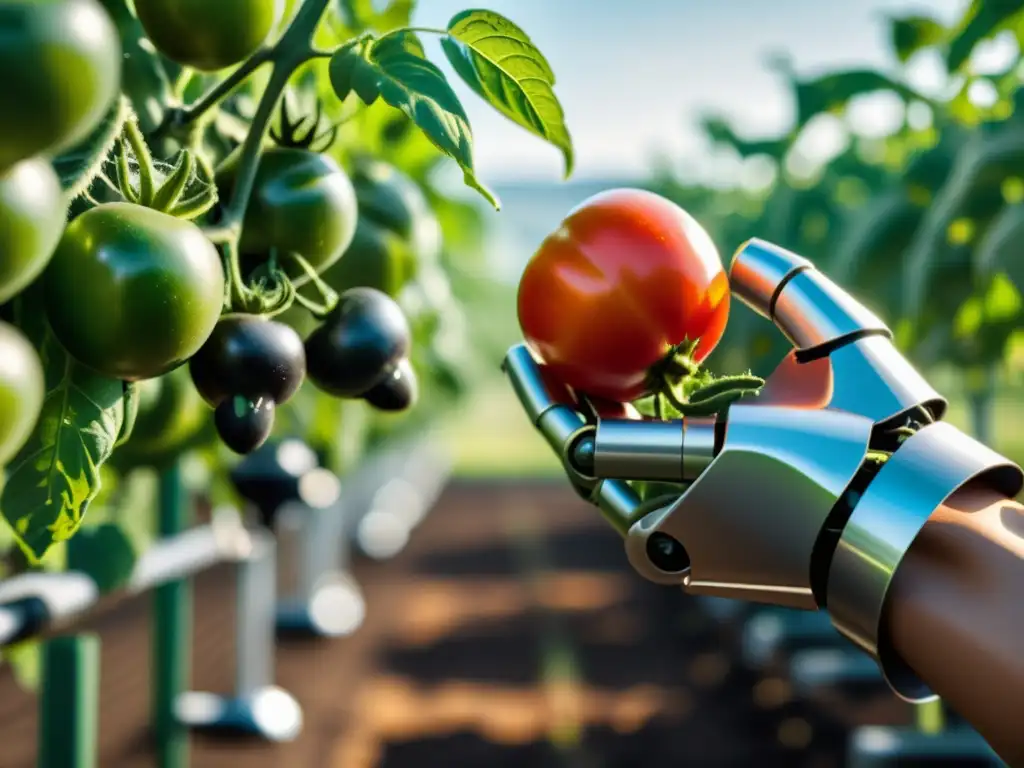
{"x":923,"y":222}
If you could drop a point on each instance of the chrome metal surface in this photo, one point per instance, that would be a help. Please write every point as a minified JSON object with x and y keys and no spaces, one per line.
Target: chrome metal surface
{"x":757,"y":270}
{"x":560,"y":426}
{"x":527,"y":382}
{"x":639,"y":450}
{"x":812,"y":311}
{"x":698,"y":446}
{"x":617,"y":501}
{"x":637,"y":537}
{"x":929,"y":467}
{"x":868,"y":377}
{"x":873,"y":379}
{"x":750,"y":521}
{"x":255,"y":599}
{"x":184,"y":555}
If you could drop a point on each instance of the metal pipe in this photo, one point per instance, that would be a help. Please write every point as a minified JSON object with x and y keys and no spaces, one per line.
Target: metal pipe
{"x":36,"y":605}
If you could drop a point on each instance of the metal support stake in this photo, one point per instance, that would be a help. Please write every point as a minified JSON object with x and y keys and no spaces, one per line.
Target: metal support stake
{"x":326,"y":601}
{"x":172,"y":633}
{"x":69,"y":702}
{"x":256,"y":707}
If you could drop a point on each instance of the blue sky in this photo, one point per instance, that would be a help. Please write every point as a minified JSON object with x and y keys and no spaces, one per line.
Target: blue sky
{"x":635,"y":75}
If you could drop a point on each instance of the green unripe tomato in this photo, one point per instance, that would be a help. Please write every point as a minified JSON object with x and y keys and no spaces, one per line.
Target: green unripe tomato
{"x":392,"y":200}
{"x":61,"y":64}
{"x":376,"y":258}
{"x":131,"y":292}
{"x":208,"y":35}
{"x":22,"y":389}
{"x":396,"y":234}
{"x":32,"y":211}
{"x":302,"y":202}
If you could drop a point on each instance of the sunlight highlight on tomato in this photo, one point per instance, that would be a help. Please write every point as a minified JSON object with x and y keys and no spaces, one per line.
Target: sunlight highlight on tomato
{"x":625,"y":279}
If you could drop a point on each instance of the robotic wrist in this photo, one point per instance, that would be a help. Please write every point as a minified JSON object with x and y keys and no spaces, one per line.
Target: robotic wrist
{"x":928,"y":468}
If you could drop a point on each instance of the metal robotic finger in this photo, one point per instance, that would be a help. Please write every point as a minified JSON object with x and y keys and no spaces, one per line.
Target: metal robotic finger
{"x":842,"y":350}
{"x":547,"y":404}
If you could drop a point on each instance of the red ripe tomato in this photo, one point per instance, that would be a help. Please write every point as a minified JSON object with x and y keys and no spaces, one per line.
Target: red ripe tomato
{"x":610,"y":294}
{"x":609,"y":409}
{"x":603,"y":408}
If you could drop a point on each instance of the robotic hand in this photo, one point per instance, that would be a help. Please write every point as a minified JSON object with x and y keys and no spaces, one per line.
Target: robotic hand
{"x":807,"y":497}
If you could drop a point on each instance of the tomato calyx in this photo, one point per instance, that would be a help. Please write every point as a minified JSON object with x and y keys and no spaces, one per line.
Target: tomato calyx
{"x":184,"y":191}
{"x":691,"y":390}
{"x":678,"y":363}
{"x":304,"y":132}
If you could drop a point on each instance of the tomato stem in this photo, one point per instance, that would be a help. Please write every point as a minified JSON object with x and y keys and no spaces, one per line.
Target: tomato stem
{"x":710,"y":399}
{"x":130,"y":408}
{"x":667,"y":390}
{"x":239,"y":294}
{"x":292,"y":50}
{"x":221,"y":90}
{"x":327,"y":294}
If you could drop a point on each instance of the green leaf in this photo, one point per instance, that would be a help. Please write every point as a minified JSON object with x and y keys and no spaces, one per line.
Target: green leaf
{"x":720,"y":132}
{"x":1000,"y":250}
{"x":503,"y":66}
{"x":832,"y":92}
{"x":81,"y":164}
{"x":396,"y":69}
{"x":869,"y":256}
{"x":26,"y":663}
{"x":342,"y":66}
{"x":105,"y":553}
{"x":981,"y":20}
{"x":53,"y":479}
{"x":910,"y":34}
{"x":959,"y":216}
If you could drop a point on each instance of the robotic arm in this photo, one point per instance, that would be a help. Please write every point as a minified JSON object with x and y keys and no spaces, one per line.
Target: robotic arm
{"x":808,"y":497}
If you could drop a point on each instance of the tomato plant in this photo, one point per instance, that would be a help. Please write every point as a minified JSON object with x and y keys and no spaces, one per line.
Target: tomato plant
{"x":61,"y":63}
{"x":208,"y":35}
{"x":629,"y":286}
{"x":156,"y":249}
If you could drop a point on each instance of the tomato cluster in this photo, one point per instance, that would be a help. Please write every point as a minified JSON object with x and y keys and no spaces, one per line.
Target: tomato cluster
{"x":130,"y":283}
{"x":58,"y":43}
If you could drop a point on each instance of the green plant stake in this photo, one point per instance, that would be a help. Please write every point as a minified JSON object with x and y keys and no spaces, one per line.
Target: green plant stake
{"x":172,"y":614}
{"x":69,"y":702}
